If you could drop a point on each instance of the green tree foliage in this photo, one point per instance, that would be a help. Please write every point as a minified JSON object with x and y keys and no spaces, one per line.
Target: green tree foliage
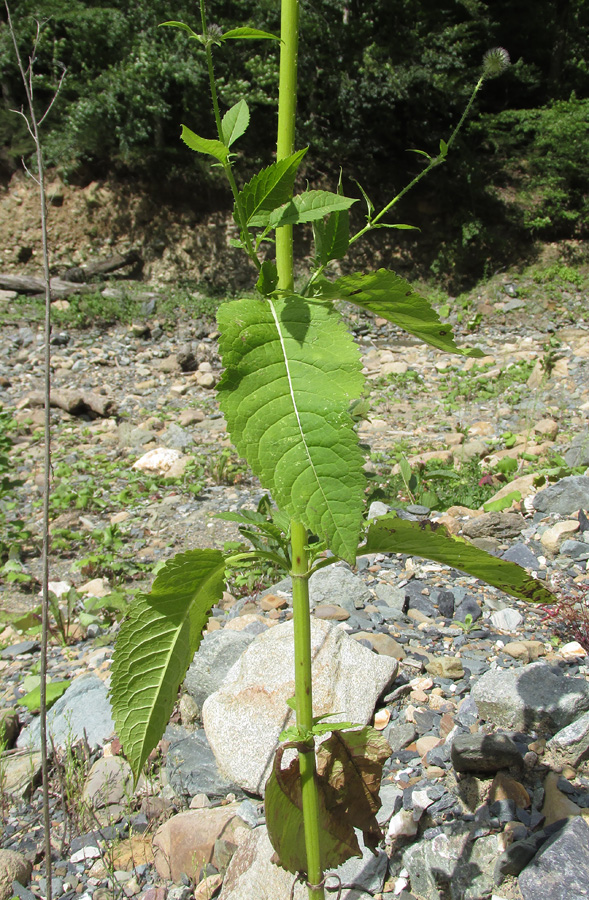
{"x":373,"y":73}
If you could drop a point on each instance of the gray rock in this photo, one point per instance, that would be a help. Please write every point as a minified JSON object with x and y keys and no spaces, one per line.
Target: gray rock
{"x":176,"y":438}
{"x":400,"y":735}
{"x":83,"y":709}
{"x":521,"y":554}
{"x":531,"y":697}
{"x":507,"y":619}
{"x":244,"y":718}
{"x":337,"y":584}
{"x":571,"y":744}
{"x":494,"y":524}
{"x":391,"y":798}
{"x":484,"y":752}
{"x":565,"y":497}
{"x":192,"y":769}
{"x":19,"y":649}
{"x":468,"y":607}
{"x":186,"y":359}
{"x":451,"y":866}
{"x":467,"y":713}
{"x":392,"y":596}
{"x":130,"y":436}
{"x":109,"y":782}
{"x":445,"y":602}
{"x":517,"y":856}
{"x":560,"y":869}
{"x":574,"y":549}
{"x":218,"y":651}
{"x":423,"y":604}
{"x":578,"y":452}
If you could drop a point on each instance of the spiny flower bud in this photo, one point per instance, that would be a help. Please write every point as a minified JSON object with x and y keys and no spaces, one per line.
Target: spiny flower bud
{"x":215,"y":31}
{"x":495,"y":62}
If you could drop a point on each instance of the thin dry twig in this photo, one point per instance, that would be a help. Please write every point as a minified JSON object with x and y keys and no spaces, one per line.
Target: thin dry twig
{"x":33,"y":125}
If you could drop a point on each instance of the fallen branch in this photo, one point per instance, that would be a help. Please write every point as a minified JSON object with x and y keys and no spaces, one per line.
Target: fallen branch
{"x":76,"y":403}
{"x":29,"y":284}
{"x":80,"y":274}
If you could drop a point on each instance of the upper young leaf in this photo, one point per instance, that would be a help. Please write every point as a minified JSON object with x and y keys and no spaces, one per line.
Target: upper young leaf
{"x":390,"y":534}
{"x":332,"y":236}
{"x":155,"y":645}
{"x":185,"y":28}
{"x":248,"y":34}
{"x":391,"y":297}
{"x":268,"y":278}
{"x":235,"y":122}
{"x":203,"y":145}
{"x":269,"y":189}
{"x":308,"y":207}
{"x":291,"y":370}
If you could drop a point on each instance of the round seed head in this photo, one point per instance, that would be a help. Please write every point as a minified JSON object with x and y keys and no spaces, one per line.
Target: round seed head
{"x":495,"y":62}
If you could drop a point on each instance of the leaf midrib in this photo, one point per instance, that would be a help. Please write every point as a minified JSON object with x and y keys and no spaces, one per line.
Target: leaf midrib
{"x":169,"y":655}
{"x":296,"y":411}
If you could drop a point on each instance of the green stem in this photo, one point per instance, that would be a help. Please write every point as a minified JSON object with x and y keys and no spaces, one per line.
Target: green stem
{"x":245,"y":235}
{"x":287,"y":101}
{"x":304,"y":705}
{"x":433,"y":163}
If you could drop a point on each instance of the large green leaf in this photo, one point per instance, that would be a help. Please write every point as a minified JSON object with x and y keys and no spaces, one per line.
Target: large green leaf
{"x":269,"y":189}
{"x":390,"y":534}
{"x":291,"y":371}
{"x":155,"y":645}
{"x":204,"y":145}
{"x":308,"y":207}
{"x":391,"y":297}
{"x":235,"y":122}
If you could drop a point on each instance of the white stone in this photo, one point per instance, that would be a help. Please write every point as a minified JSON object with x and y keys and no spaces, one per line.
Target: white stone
{"x":159,"y":460}
{"x":402,"y":824}
{"x":245,"y":717}
{"x":507,"y":619}
{"x":57,"y":587}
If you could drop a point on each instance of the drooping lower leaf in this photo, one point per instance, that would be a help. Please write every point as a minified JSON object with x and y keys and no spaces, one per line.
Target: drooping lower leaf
{"x":284,"y":820}
{"x":349,"y":772}
{"x":390,"y":534}
{"x":349,"y":765}
{"x":155,"y":645}
{"x":291,"y":371}
{"x":391,"y":297}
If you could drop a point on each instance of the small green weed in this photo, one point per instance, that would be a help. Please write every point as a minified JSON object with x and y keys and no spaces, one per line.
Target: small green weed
{"x":477,"y":385}
{"x":436,"y":485}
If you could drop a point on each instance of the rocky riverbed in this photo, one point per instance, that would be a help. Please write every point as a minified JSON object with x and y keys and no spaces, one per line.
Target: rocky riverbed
{"x":483,"y":699}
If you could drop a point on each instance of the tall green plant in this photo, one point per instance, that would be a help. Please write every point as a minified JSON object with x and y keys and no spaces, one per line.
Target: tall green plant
{"x":292,"y":374}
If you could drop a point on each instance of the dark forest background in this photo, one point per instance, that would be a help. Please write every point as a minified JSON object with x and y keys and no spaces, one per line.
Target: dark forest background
{"x":377,"y":78}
